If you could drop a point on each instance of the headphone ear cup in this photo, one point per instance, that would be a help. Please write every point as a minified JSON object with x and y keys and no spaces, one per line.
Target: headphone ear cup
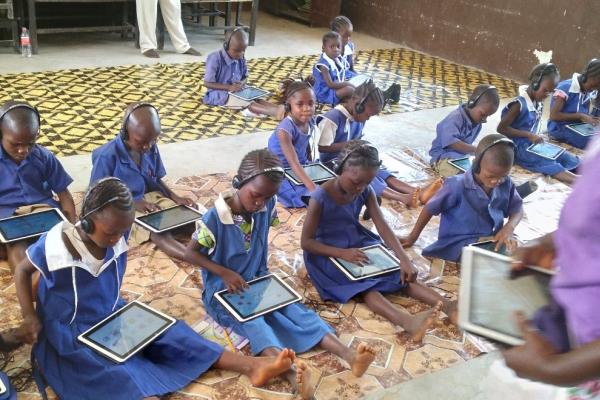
{"x":360,"y":108}
{"x":236,"y":182}
{"x":536,"y":85}
{"x":87,"y":225}
{"x":226,"y":45}
{"x":287,"y":107}
{"x":470,"y":103}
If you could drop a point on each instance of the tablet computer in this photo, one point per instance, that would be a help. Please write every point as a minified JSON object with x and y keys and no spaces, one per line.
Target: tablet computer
{"x":263,"y":295}
{"x":28,"y":226}
{"x":250,"y":93}
{"x":546,"y":150}
{"x":490,"y":245}
{"x":358,"y":80}
{"x":126,"y":331}
{"x":584,"y":129}
{"x":489,"y":295}
{"x":169,"y":218}
{"x":317,"y":172}
{"x":463,"y":164}
{"x":381,"y":261}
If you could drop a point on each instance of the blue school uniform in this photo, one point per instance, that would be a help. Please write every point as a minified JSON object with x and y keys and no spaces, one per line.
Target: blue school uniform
{"x":113,"y":159}
{"x":221,"y":68}
{"x":33,"y":181}
{"x":456,"y":127}
{"x":576,"y":101}
{"x":337,"y":126}
{"x":468,"y":213}
{"x":11,"y":393}
{"x":339,"y":227}
{"x":230,"y":241}
{"x":337,"y":72}
{"x":290,"y":195}
{"x":71,"y":298}
{"x":348,"y":58}
{"x":529,"y":119}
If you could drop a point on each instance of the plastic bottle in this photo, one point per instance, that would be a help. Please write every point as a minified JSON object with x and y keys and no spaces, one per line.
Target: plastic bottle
{"x":25,"y":43}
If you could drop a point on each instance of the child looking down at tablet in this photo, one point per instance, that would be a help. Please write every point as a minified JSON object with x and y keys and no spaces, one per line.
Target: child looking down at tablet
{"x":226,"y":72}
{"x":521,"y":121}
{"x":82,"y":267}
{"x":134,"y":158}
{"x":30,"y":174}
{"x":473,"y":205}
{"x":332,"y":229}
{"x":231,"y":247}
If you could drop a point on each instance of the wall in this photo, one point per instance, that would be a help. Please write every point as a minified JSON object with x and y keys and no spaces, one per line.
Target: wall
{"x":494,"y":35}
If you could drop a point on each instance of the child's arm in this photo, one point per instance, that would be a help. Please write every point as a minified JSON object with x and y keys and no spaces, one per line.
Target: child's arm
{"x":327,"y":78}
{"x":313,"y":246}
{"x":504,"y":126}
{"x":462,"y":147}
{"x":540,"y":252}
{"x":234,"y":87}
{"x":556,"y":113}
{"x":67,"y":205}
{"x":424,"y":218}
{"x":332,"y":148}
{"x":292,"y":158}
{"x":184,"y":201}
{"x":505,"y":235}
{"x":31,"y":325}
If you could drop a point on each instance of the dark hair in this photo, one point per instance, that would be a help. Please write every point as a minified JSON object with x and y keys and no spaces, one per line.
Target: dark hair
{"x":289,"y":86}
{"x":259,"y":160}
{"x":331,"y":35}
{"x":368,"y":92}
{"x":499,"y":149}
{"x":358,"y":153}
{"x":16,"y":113}
{"x":339,"y":22}
{"x":488,"y":95}
{"x":592,"y":68}
{"x":540,"y":71}
{"x":107,"y":191}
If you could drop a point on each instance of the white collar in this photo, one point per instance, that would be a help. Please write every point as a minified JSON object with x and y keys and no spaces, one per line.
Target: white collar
{"x":531,"y":106}
{"x":224,"y":211}
{"x":575,"y":88}
{"x":341,"y":108}
{"x":348,"y":49}
{"x":337,"y":66}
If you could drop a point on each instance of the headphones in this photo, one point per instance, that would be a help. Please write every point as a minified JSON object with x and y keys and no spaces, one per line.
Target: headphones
{"x":584,"y":76}
{"x":12,"y":105}
{"x":228,"y":41}
{"x":339,"y":166}
{"x":360,"y":106}
{"x":477,"y":161}
{"x":86,"y":223}
{"x":130,"y":109}
{"x":238,"y":182}
{"x":473,"y":101}
{"x":548,"y":68}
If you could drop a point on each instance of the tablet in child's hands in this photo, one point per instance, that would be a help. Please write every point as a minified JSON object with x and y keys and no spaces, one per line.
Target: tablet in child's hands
{"x":169,"y":218}
{"x":27,"y":226}
{"x":546,"y":150}
{"x":381,"y":261}
{"x":490,"y":245}
{"x":250,"y":93}
{"x":317,"y":172}
{"x":584,"y":129}
{"x":463,"y":164}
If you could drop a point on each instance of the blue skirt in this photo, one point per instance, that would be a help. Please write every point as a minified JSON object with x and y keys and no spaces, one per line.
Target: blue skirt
{"x":11,"y":393}
{"x":564,"y":134}
{"x":536,"y":163}
{"x":290,"y":195}
{"x":378,"y":183}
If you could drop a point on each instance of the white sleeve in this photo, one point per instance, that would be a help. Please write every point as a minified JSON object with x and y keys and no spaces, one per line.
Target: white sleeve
{"x":327,"y":129}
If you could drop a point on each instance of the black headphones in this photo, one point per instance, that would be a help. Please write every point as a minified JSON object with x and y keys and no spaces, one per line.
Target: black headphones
{"x":339,"y":166}
{"x":287,"y":106}
{"x":86,"y":223}
{"x":238,"y":182}
{"x":130,"y":109}
{"x":360,"y":106}
{"x":547,"y":70}
{"x":473,"y":101}
{"x":11,"y":105}
{"x":228,"y":41}
{"x":584,"y":76}
{"x":477,"y":161}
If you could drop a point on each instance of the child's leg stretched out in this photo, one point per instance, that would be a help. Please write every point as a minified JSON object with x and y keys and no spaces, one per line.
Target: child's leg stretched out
{"x":359,"y":359}
{"x":258,"y":369}
{"x":298,"y":375}
{"x":410,"y":200}
{"x":264,"y":107}
{"x":431,"y":297}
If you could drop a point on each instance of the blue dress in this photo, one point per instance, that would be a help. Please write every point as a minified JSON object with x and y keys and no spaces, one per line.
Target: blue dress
{"x":337,"y":126}
{"x":348,"y":58}
{"x":11,"y":393}
{"x":290,"y":195}
{"x":468,"y":213}
{"x":71,"y":299}
{"x":529,"y":119}
{"x":339,"y":227}
{"x":230,"y":241}
{"x":456,"y":127}
{"x":337,"y":72}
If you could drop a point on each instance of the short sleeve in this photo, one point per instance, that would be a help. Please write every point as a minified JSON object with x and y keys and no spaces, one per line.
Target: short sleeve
{"x":446,"y":198}
{"x":562,"y":90}
{"x":448,"y":130}
{"x":515,"y":203}
{"x":36,"y":254}
{"x":328,"y":130}
{"x":288,"y":127}
{"x":55,"y":175}
{"x":161,"y":172}
{"x":509,"y":105}
{"x":102,"y":166}
{"x":211,"y":67}
{"x":244,"y":68}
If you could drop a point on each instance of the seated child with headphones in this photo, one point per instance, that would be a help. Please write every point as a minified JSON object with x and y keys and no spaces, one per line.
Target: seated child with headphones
{"x":571,"y":103}
{"x":521,"y":121}
{"x":226,"y":71}
{"x":231,"y":247}
{"x":133,"y":157}
{"x":332,"y":229}
{"x":456,"y":133}
{"x":473,"y":205}
{"x":82,"y":266}
{"x":331,"y":85}
{"x":31,"y":175}
{"x":291,"y":141}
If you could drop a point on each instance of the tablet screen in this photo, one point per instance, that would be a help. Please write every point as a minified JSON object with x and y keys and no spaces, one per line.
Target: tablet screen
{"x":250,"y":93}
{"x":547,"y":150}
{"x":461,"y":163}
{"x":358,"y":80}
{"x":29,"y":225}
{"x":584,"y":129}
{"x":128,"y":330}
{"x":380,"y":261}
{"x":491,"y":246}
{"x":316,"y":172}
{"x":170,"y":218}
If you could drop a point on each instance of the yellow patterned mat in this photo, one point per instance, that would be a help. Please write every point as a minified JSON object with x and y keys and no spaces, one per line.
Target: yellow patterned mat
{"x":82,"y":108}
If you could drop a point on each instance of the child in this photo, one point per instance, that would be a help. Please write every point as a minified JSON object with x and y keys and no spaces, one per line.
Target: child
{"x":133,"y":157}
{"x":31,"y":175}
{"x":332,"y":229}
{"x":456,"y":133}
{"x":345,"y":122}
{"x":290,"y":141}
{"x":521,"y":120}
{"x":226,"y":72}
{"x":473,"y":205}
{"x":331,"y":85}
{"x":231,"y":246}
{"x":82,"y":266}
{"x":571,"y":104}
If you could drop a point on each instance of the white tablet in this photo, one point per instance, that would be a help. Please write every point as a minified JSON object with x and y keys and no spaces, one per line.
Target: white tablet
{"x":263,"y":295}
{"x":317,"y":172}
{"x":126,"y":331}
{"x":250,"y":93}
{"x":490,"y":245}
{"x":490,"y":295}
{"x":463,"y":164}
{"x":358,"y":80}
{"x":2,"y":387}
{"x":546,"y":150}
{"x":29,"y":226}
{"x":381,"y":261}
{"x":584,"y":129}
{"x":169,"y":218}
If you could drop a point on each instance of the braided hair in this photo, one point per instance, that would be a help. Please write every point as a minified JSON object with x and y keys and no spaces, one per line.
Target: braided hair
{"x":541,"y":71}
{"x":290,"y":86}
{"x":592,"y":69}
{"x":358,"y":153}
{"x":257,"y":161}
{"x":368,"y":92}
{"x":331,"y":35}
{"x":339,"y":22}
{"x":107,"y":191}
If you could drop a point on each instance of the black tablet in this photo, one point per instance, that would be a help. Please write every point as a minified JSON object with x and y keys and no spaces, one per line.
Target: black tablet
{"x":546,"y":150}
{"x":28,"y":226}
{"x":463,"y":164}
{"x":169,"y":218}
{"x":381,"y":261}
{"x":584,"y":129}
{"x":317,"y":172}
{"x":250,"y":93}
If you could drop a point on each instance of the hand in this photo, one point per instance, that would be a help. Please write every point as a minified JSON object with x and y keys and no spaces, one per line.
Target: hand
{"x":408,"y":273}
{"x":183,"y":201}
{"x":407,"y":241}
{"x":30,"y":328}
{"x":355,"y":256}
{"x":540,"y":253}
{"x":533,"y":138}
{"x":233,"y":281}
{"x":236,"y":87}
{"x":144,"y":206}
{"x":588,"y":119}
{"x":505,"y":237}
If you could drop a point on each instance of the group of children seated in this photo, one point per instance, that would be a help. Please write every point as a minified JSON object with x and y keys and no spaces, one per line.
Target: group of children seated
{"x":77,"y":268}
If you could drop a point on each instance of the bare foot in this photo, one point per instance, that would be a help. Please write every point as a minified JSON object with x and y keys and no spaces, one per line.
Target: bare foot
{"x":270,"y":367}
{"x":431,"y":190}
{"x":415,"y":198}
{"x":306,"y":388}
{"x":451,"y":310}
{"x":364,"y":356}
{"x":422,"y":322}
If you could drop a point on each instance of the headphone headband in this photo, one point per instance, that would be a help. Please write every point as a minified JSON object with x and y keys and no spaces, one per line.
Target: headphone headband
{"x":228,"y":41}
{"x":360,"y":106}
{"x":473,"y":102}
{"x":129,"y":110}
{"x":548,"y":67}
{"x":12,"y":105}
{"x":92,"y":188}
{"x":238,"y":182}
{"x":340,"y":165}
{"x":477,"y":161}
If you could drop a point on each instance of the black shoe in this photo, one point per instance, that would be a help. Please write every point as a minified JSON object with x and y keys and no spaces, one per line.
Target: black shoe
{"x":392,"y":94}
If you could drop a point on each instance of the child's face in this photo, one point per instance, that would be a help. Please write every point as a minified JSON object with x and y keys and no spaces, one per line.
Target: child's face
{"x":237,"y":48}
{"x":546,"y":89}
{"x":255,"y":194}
{"x":333,"y":48}
{"x":302,"y":104}
{"x":355,"y":179}
{"x":481,"y":112}
{"x":346,"y":33}
{"x":110,"y":224}
{"x":143,"y":132}
{"x":17,"y":142}
{"x":371,"y":109}
{"x":490,"y":174}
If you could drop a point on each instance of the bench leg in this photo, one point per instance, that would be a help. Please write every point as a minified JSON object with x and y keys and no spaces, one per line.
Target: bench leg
{"x":32,"y":26}
{"x":253,"y":16}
